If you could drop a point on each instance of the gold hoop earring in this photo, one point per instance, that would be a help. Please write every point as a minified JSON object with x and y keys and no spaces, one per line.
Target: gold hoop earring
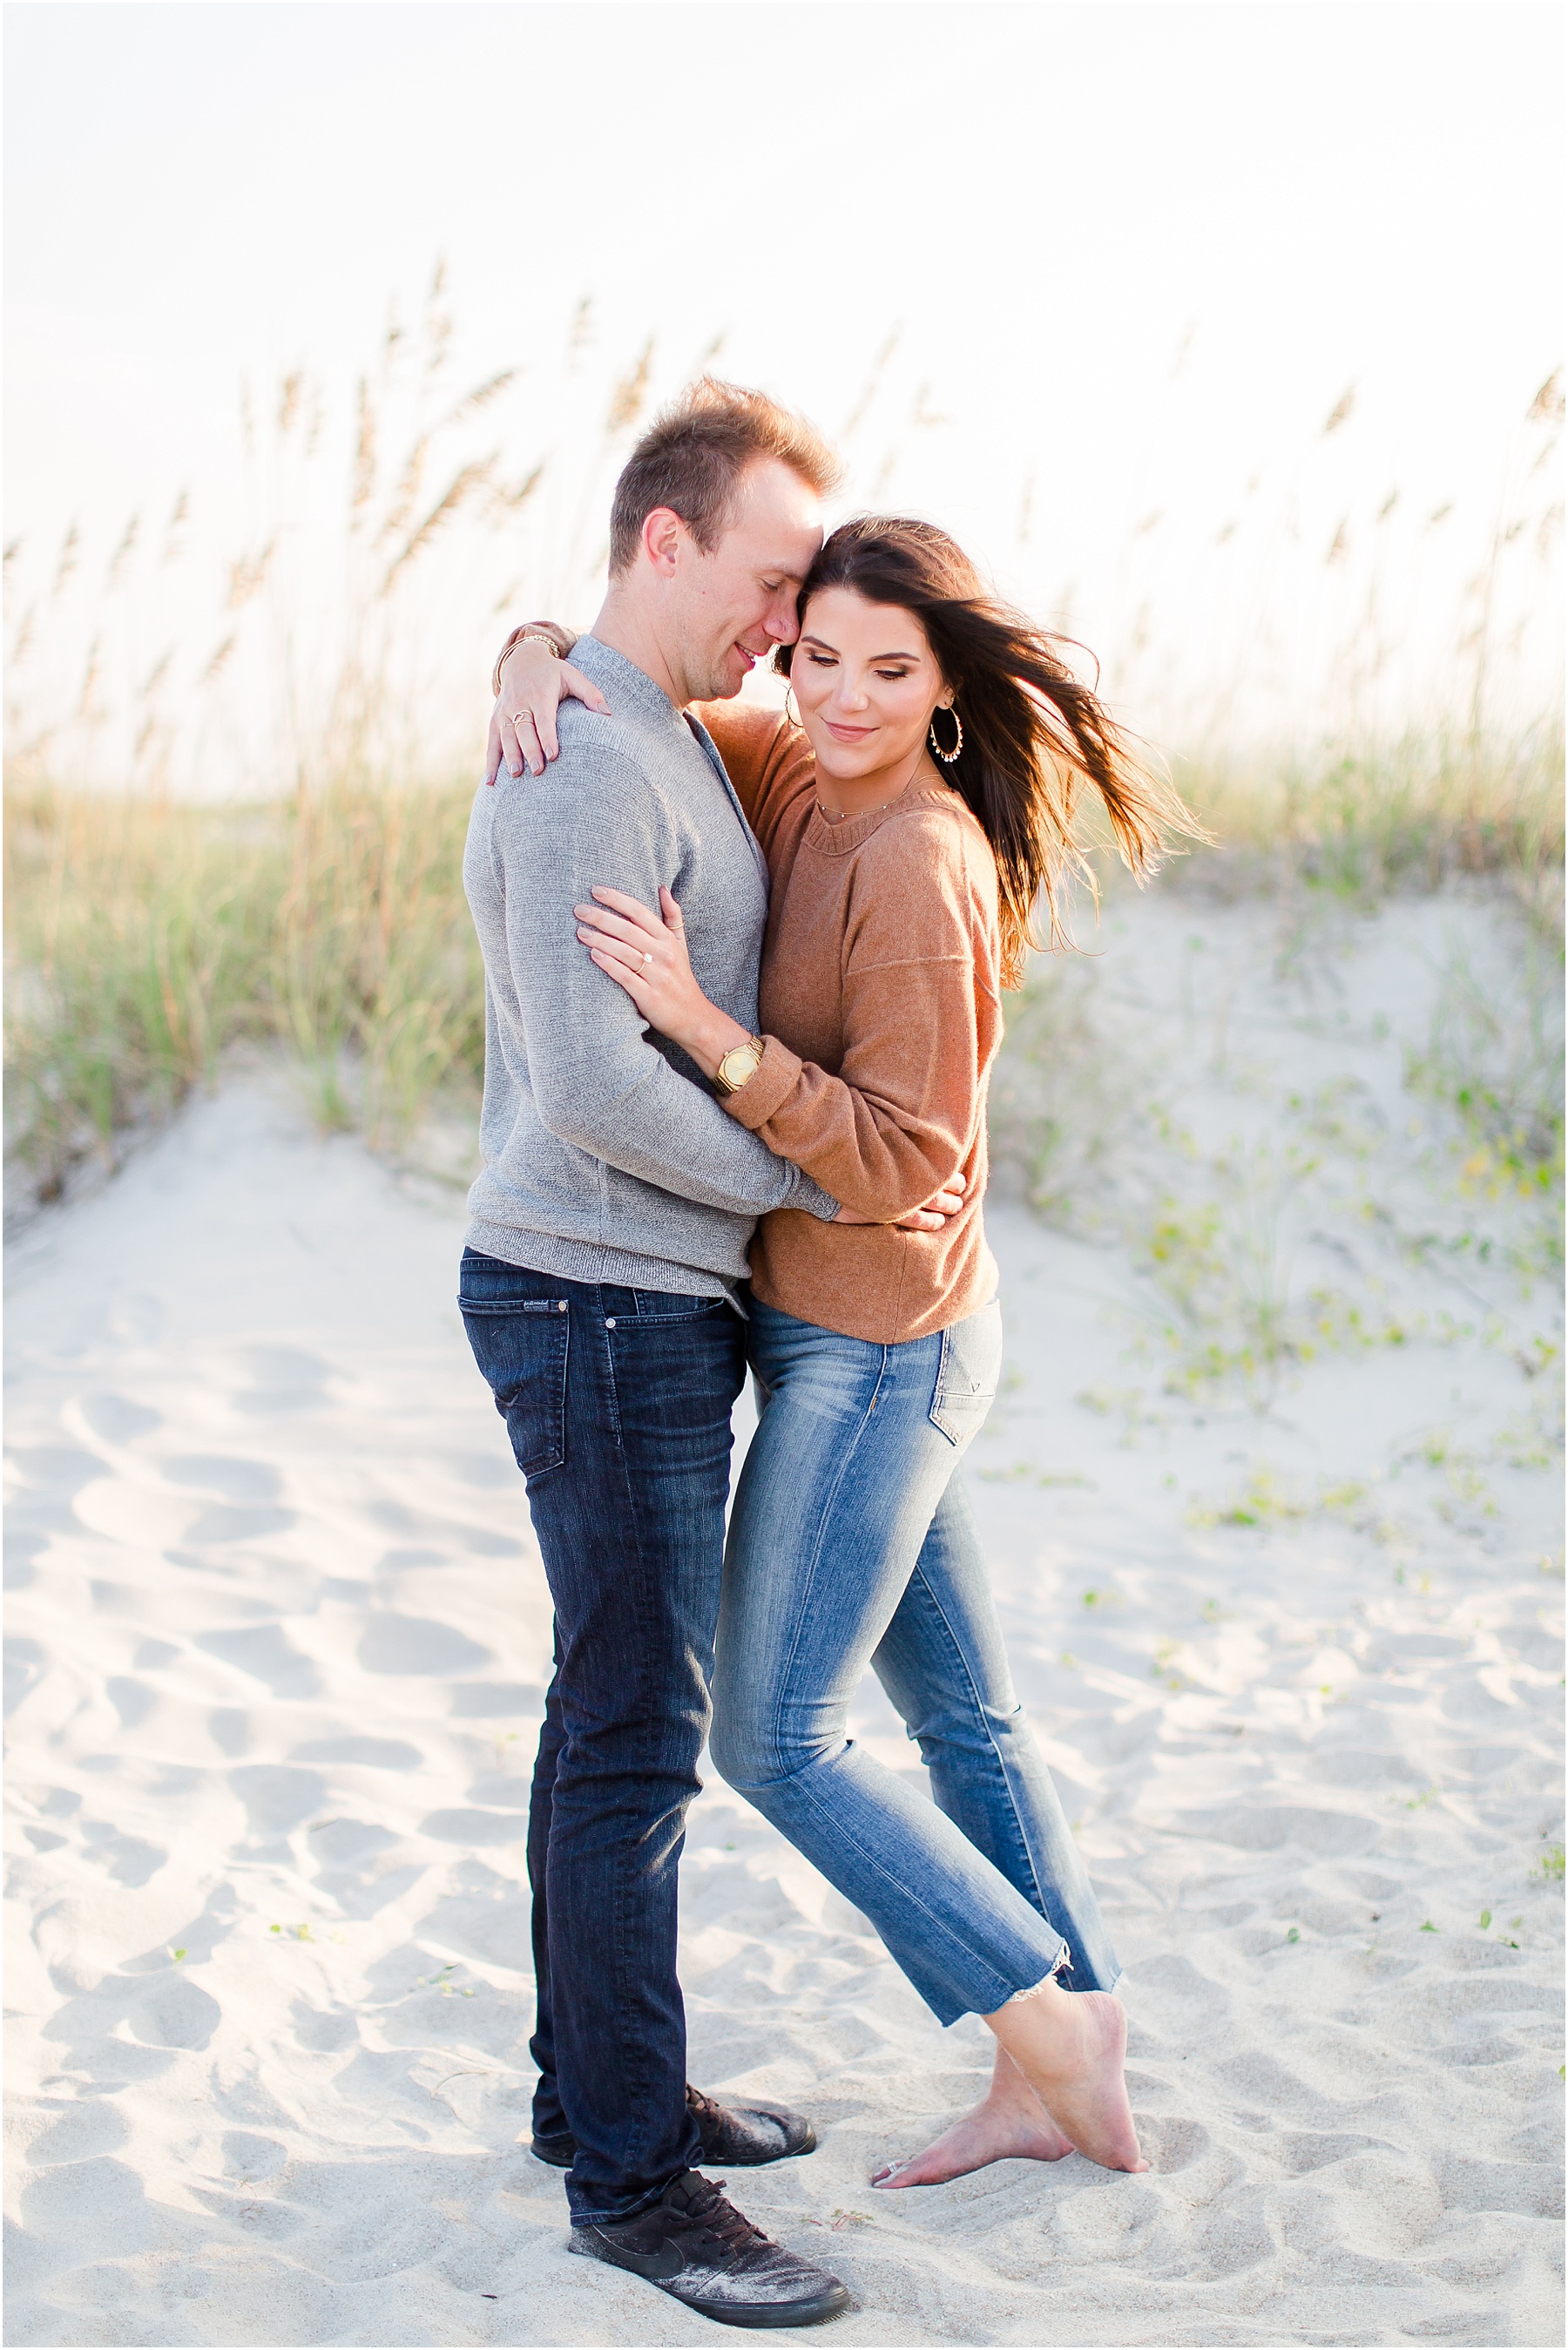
{"x":947,"y":757}
{"x":792,"y":714}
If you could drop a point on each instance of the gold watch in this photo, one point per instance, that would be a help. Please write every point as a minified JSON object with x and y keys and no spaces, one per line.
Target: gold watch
{"x":740,"y":1064}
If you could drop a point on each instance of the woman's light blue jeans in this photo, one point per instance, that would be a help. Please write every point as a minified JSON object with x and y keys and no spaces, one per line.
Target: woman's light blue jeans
{"x":850,"y":1542}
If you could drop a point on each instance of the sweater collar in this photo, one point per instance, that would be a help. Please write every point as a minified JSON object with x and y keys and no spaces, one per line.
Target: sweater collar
{"x":627,"y":686}
{"x":838,"y":839}
{"x":631,"y":690}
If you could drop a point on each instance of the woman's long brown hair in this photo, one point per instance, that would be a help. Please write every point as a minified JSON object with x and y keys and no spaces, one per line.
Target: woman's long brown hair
{"x":1033,"y":735}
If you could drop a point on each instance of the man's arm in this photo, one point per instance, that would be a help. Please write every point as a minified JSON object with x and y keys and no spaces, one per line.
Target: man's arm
{"x":597,"y":1082}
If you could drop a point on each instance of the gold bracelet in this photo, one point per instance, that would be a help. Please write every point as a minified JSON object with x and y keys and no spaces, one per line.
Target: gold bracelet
{"x":519,"y":637}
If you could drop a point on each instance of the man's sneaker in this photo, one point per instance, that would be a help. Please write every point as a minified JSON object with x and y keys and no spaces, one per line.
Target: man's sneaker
{"x":740,"y":2136}
{"x":696,"y":2247}
{"x":746,"y":2135}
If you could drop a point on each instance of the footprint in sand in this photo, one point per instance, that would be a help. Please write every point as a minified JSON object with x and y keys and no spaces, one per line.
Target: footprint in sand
{"x":99,"y":2030}
{"x":100,"y":2200}
{"x":264,"y":1652}
{"x":396,"y":1519}
{"x":230,"y":1730}
{"x":414,"y":1644}
{"x":1338,"y":1835}
{"x":497,"y":1702}
{"x":337,"y":1842}
{"x":277,"y":1797}
{"x":26,"y":1664}
{"x":22,"y":1548}
{"x":61,"y":1468}
{"x":246,"y":1510}
{"x":250,"y":2157}
{"x":469,"y":1827}
{"x":486,"y":1470}
{"x":131,"y":1699}
{"x":231,"y":1479}
{"x":324,"y":2030}
{"x":178,"y":2014}
{"x":91,"y":2128}
{"x":127,"y":1858}
{"x":371,"y":1753}
{"x":225,"y":1524}
{"x":286,"y":1380}
{"x":117,"y":1420}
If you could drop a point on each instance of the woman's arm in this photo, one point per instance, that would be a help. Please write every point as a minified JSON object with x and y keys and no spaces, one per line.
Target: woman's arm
{"x":898,"y":1120}
{"x":530,"y":681}
{"x":902,"y":1114}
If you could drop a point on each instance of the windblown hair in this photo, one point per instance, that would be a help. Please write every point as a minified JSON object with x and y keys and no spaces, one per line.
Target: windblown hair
{"x":692,"y":457}
{"x":1033,"y":735}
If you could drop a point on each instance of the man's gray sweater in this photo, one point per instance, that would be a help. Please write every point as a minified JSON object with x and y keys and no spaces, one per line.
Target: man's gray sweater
{"x":607,"y":1157}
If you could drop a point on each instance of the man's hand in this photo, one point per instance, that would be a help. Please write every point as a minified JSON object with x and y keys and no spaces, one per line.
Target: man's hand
{"x":929,"y":1218}
{"x":533,"y":685}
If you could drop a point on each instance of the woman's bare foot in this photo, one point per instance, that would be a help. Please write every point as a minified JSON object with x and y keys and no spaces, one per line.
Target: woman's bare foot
{"x":1009,"y":2120}
{"x":1069,"y":2047}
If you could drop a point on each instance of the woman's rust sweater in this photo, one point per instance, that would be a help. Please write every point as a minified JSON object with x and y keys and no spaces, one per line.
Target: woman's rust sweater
{"x":881,"y":1009}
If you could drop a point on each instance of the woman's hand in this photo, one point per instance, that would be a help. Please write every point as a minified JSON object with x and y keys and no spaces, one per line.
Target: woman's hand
{"x":646,"y":953}
{"x":929,"y":1218}
{"x":533,"y":685}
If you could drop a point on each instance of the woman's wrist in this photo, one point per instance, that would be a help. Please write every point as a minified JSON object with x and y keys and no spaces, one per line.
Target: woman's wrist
{"x":560,"y":641}
{"x":710,"y":1035}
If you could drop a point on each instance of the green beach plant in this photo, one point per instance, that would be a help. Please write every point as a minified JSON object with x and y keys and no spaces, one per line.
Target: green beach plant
{"x":322,"y":911}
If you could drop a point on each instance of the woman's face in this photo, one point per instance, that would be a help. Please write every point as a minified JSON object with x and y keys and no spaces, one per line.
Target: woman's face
{"x":866,"y":682}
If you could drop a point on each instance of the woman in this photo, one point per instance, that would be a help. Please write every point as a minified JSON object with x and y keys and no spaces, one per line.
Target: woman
{"x":912,"y":815}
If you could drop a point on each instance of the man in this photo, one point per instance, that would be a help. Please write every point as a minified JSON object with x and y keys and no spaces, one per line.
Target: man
{"x":608,"y":1241}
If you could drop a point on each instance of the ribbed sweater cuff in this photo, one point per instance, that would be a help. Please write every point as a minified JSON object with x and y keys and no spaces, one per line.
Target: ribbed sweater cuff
{"x":768,"y":1087}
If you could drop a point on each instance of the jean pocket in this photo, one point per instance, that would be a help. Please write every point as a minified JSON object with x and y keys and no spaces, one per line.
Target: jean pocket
{"x":967,"y":1374}
{"x":667,"y":1305}
{"x":521,"y":1350}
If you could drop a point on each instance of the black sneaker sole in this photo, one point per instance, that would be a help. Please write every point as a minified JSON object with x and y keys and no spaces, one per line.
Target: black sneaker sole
{"x":757,"y":2315}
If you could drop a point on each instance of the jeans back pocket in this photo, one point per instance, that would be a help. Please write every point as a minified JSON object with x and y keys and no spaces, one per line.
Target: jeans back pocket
{"x":967,"y":1374}
{"x":521,"y":1345}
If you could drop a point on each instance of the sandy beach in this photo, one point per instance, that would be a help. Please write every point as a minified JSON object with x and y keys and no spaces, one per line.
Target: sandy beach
{"x":277,"y":1637}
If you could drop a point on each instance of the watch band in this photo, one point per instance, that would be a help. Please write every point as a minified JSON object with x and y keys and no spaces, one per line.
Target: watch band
{"x":752,"y":1051}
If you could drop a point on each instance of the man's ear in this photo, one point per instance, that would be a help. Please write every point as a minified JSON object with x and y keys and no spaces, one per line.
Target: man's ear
{"x":662,"y":534}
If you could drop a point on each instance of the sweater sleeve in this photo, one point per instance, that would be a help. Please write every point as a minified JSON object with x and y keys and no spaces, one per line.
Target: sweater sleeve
{"x":597,"y":1081}
{"x":767,"y":759}
{"x":900,"y":1117}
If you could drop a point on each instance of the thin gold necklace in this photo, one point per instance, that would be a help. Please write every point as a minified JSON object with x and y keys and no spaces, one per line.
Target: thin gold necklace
{"x":845,"y":818}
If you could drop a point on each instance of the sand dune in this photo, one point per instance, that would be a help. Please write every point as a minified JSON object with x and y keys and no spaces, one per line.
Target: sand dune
{"x":278,"y":1633}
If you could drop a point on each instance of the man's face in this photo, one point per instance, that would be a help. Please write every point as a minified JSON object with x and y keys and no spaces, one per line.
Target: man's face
{"x":732,"y":606}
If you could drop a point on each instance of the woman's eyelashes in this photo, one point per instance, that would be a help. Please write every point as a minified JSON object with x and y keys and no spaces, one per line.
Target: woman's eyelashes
{"x":828,"y":661}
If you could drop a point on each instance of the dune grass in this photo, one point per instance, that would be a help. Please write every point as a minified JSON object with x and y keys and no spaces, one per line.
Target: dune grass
{"x":1358,"y":823}
{"x":146,"y":935}
{"x":148,"y":932}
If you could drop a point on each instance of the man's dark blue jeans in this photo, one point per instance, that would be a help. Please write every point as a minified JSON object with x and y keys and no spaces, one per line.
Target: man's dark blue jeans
{"x":617,"y":1404}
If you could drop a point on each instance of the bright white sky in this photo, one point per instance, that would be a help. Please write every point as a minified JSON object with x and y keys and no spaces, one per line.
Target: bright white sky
{"x":1055,"y":202}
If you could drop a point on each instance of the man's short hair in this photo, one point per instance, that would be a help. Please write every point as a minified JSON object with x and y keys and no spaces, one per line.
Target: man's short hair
{"x":692,"y":457}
